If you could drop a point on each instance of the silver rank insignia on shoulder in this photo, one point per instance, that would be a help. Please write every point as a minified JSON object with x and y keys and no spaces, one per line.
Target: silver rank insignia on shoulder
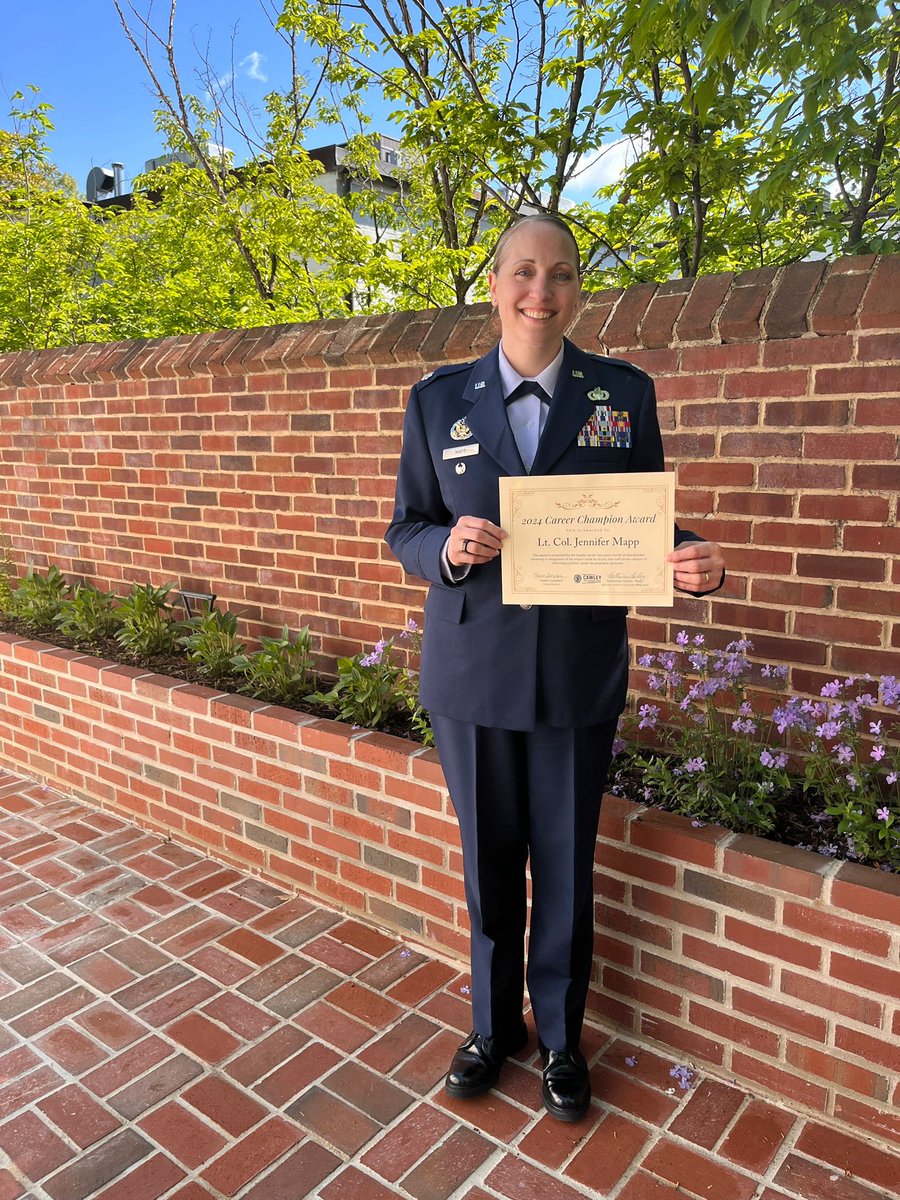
{"x":460,"y":431}
{"x":460,"y":468}
{"x":578,"y":374}
{"x":479,"y":384}
{"x":428,"y":376}
{"x":598,"y":395}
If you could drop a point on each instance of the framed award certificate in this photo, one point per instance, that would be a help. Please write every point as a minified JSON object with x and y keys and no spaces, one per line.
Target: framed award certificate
{"x":588,"y":539}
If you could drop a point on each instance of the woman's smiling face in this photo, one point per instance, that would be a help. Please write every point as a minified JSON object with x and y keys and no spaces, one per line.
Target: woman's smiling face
{"x":536,"y":287}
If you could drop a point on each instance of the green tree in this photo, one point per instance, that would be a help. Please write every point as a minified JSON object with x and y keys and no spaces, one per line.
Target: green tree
{"x":48,"y":244}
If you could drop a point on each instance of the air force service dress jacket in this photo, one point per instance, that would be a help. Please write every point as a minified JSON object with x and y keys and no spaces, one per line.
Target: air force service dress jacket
{"x":511,"y":666}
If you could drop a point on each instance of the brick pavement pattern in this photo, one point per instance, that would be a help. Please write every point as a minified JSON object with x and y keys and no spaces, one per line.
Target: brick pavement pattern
{"x":175,"y":1030}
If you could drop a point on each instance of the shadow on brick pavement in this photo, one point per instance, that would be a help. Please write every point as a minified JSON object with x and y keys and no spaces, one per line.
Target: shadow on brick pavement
{"x":173,"y":1029}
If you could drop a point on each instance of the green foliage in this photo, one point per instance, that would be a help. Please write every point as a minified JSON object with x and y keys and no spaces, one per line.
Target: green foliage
{"x":146,"y":626}
{"x":281,"y":670}
{"x":213,"y":643}
{"x":758,"y":134}
{"x":38,"y":599}
{"x":7,"y":573}
{"x":375,"y":687}
{"x":369,"y":687}
{"x":88,"y":616}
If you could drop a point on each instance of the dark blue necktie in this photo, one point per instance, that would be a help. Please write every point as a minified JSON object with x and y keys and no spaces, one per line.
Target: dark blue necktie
{"x":528,"y":387}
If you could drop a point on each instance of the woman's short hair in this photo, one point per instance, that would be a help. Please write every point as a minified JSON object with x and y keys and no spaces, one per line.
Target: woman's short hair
{"x":534,"y":219}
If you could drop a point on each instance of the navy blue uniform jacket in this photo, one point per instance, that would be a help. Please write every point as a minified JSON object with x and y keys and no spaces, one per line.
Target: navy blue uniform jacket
{"x":504,"y":665}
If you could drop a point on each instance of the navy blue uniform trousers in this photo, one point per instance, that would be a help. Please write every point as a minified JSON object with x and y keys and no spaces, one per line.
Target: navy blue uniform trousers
{"x":523,"y":795}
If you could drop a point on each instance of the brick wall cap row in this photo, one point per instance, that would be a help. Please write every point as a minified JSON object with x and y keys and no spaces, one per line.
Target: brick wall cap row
{"x":768,"y":303}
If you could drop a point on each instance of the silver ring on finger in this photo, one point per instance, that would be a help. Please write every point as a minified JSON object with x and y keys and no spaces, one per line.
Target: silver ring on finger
{"x":706,"y":576}
{"x":465,"y":546}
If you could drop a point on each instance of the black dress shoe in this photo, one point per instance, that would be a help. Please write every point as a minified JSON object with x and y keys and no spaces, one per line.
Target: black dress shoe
{"x":476,"y":1064}
{"x":566,"y":1092}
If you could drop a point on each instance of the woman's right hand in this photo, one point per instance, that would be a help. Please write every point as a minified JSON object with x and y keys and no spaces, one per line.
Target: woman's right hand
{"x":474,"y":540}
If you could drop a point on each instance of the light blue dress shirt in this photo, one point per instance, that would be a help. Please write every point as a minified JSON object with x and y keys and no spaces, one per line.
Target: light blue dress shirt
{"x":527,"y":417}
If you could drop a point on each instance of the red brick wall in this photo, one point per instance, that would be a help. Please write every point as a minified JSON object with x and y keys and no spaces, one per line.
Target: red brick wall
{"x":757,"y":961}
{"x":259,"y":464}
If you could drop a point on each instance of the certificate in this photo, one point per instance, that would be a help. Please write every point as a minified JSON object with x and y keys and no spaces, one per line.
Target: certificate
{"x":588,"y":539}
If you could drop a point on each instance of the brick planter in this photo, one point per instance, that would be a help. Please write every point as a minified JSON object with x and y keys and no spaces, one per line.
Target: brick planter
{"x":760,"y":962}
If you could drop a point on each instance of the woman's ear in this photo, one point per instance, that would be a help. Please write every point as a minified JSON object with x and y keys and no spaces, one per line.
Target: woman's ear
{"x":492,"y":284}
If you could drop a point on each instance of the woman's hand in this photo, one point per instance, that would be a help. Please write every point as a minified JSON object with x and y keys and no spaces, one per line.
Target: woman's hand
{"x":698,"y":566}
{"x":474,"y":540}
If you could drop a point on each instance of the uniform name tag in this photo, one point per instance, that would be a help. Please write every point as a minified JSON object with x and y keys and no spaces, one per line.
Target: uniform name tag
{"x":460,"y":451}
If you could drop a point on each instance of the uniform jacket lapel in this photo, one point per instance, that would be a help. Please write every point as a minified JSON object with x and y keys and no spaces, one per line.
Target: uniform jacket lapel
{"x":570,"y":408}
{"x":487,"y":417}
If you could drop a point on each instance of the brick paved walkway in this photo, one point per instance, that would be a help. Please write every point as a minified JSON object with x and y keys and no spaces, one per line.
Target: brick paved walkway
{"x":174,"y":1029}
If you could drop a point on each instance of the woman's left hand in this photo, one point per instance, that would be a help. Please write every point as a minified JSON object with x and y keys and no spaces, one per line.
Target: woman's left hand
{"x":698,"y":566}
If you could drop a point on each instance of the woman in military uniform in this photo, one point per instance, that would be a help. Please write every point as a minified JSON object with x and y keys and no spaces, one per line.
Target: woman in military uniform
{"x":524,"y":699}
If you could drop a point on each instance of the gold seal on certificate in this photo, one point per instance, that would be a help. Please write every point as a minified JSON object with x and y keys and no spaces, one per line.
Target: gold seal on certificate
{"x":588,"y":539}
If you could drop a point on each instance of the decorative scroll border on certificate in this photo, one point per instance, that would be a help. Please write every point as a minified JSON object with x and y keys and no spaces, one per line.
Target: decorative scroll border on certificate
{"x":588,"y":539}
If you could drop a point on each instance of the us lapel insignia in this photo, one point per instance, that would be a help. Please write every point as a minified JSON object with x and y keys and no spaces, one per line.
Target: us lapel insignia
{"x":478,"y":385}
{"x":460,"y":431}
{"x":578,"y":374}
{"x":598,"y":395}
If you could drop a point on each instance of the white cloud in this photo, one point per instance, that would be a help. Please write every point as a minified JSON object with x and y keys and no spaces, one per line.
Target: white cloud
{"x":604,"y":166}
{"x":253,"y":62}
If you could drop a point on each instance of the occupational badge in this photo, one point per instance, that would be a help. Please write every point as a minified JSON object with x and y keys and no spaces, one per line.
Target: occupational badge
{"x":598,"y":395}
{"x":460,"y":468}
{"x":460,"y":431}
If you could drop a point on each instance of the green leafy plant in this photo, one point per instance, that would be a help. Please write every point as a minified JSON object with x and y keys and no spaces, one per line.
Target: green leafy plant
{"x":281,"y":670}
{"x":88,"y":615}
{"x":147,"y":627}
{"x":38,"y":599}
{"x":213,"y":645}
{"x":420,"y":725}
{"x":7,"y":573}
{"x":369,"y":689}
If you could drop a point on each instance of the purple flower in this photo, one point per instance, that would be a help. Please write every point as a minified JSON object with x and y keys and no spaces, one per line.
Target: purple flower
{"x":875,"y":728}
{"x":373,"y":659}
{"x":630,"y":1061}
{"x":695,"y":764}
{"x":618,"y":746}
{"x":892,"y":777}
{"x":656,"y":683}
{"x":852,"y":781}
{"x":649,"y":714}
{"x":888,"y":690}
{"x":877,"y":752}
{"x":883,"y":814}
{"x":828,"y":729}
{"x":699,"y":639}
{"x":766,"y":759}
{"x":743,"y":725}
{"x":681,"y":637}
{"x":646,"y":660}
{"x":832,"y":689}
{"x":843,"y":753}
{"x":683,"y":1076}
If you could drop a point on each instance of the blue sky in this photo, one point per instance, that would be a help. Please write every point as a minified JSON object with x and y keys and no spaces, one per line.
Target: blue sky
{"x":76,"y":52}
